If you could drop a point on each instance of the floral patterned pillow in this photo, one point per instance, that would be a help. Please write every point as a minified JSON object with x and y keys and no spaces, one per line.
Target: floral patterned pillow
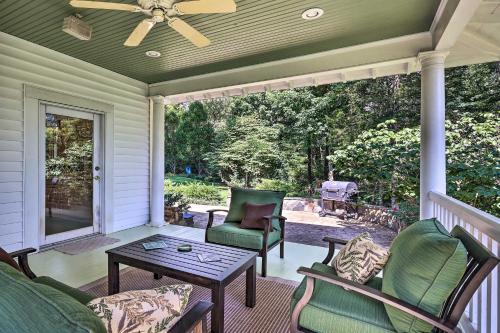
{"x":360,"y":259}
{"x":152,"y":311}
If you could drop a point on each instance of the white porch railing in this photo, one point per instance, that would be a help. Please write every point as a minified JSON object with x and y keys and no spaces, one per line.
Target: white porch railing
{"x":483,"y":312}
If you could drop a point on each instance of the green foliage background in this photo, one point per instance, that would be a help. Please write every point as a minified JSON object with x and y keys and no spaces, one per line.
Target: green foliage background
{"x":366,"y":131}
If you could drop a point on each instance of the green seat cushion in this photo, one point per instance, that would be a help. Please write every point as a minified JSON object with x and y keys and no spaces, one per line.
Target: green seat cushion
{"x":79,"y":295}
{"x":27,"y":306}
{"x":334,"y":309}
{"x":426,"y":264}
{"x":231,"y":234}
{"x":240,"y":196}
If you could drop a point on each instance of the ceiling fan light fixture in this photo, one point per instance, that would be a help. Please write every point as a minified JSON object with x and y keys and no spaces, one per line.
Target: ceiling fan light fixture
{"x":153,"y":54}
{"x":312,"y":13}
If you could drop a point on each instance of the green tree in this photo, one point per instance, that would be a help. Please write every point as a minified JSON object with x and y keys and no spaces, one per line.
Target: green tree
{"x":195,"y":133}
{"x":245,"y":149}
{"x":174,"y":148}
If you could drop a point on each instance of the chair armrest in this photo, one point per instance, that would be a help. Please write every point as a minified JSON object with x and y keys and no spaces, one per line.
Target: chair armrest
{"x":377,"y":295}
{"x":211,"y":217}
{"x":211,"y":211}
{"x":270,"y":217}
{"x":189,"y":320}
{"x":22,"y":252}
{"x":335,"y":240}
{"x":22,"y":259}
{"x":331,"y":247}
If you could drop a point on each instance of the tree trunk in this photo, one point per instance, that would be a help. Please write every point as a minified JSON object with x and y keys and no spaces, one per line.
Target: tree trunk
{"x":247,"y":180}
{"x":394,"y":184}
{"x":199,"y":166}
{"x":380,"y":199}
{"x":309,"y":163}
{"x":326,"y":163}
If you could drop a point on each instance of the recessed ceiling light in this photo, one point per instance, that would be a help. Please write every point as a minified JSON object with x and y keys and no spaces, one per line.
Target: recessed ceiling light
{"x":312,"y":13}
{"x":153,"y":54}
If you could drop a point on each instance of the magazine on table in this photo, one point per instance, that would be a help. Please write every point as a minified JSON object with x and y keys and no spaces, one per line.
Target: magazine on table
{"x":154,"y":245}
{"x":208,"y":257}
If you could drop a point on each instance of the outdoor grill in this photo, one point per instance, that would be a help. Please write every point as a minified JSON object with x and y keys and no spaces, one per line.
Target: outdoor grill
{"x":339,"y":193}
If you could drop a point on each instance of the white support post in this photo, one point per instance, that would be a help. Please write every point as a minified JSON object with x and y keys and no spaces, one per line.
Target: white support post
{"x":432,"y":126}
{"x":157,"y":162}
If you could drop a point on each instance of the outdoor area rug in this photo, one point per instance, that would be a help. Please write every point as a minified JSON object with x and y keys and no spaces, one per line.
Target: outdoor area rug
{"x":270,"y":314}
{"x":85,"y":245}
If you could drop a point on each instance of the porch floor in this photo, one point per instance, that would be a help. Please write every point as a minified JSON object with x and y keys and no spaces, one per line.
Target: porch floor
{"x":81,"y":269}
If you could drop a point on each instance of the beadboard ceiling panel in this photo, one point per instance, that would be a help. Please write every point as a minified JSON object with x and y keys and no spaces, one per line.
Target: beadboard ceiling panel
{"x":260,"y":31}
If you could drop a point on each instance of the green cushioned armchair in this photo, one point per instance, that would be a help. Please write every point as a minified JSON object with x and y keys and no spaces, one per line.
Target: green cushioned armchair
{"x":41,"y":304}
{"x":428,"y":281}
{"x":230,"y":234}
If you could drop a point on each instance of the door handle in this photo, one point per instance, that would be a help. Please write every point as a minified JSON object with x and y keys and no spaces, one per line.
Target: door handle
{"x":97,"y":177}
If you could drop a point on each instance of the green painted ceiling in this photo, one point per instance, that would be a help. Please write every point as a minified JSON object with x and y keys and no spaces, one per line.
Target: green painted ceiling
{"x":261,"y":30}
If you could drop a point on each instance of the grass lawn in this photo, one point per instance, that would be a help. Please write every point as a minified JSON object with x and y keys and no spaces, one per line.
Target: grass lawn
{"x":183,"y":180}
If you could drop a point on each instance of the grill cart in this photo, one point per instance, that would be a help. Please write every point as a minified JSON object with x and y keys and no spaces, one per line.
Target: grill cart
{"x":342,"y":194}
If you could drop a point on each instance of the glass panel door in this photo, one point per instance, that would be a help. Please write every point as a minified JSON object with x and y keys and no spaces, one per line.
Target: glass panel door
{"x":72,"y":173}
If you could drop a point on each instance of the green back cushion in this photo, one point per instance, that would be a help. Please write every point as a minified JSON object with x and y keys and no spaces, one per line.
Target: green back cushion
{"x":240,"y":196}
{"x":26,"y":306}
{"x":426,"y":264}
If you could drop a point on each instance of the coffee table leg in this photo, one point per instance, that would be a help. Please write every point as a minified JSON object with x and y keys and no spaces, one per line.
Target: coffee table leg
{"x":113,"y":277}
{"x":251,"y":288}
{"x":218,"y":309}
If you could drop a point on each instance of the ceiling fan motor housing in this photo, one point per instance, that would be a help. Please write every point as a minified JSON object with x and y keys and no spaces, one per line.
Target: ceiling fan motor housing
{"x":158,"y":15}
{"x":152,"y":4}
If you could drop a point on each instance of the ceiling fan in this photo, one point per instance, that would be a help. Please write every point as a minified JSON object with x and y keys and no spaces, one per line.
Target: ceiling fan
{"x":164,"y":11}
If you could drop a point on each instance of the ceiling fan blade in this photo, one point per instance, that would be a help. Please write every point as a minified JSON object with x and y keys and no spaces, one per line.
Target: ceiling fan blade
{"x":205,"y":7}
{"x":190,"y":33}
{"x":104,"y":5}
{"x":139,"y":33}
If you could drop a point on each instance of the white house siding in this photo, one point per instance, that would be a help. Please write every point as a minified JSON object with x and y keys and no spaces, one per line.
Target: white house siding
{"x":21,"y":63}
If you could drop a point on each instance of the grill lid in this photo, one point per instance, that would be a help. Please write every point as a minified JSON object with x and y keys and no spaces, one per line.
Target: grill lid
{"x":338,"y":191}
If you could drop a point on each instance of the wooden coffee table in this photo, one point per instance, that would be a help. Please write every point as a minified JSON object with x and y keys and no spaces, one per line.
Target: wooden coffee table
{"x":185,"y":266}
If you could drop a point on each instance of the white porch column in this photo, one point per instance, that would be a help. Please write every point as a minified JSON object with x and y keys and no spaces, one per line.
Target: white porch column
{"x":432,"y":125}
{"x":157,"y":161}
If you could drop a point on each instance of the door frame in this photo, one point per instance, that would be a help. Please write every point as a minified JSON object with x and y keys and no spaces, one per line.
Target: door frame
{"x":33,"y":97}
{"x":97,"y":158}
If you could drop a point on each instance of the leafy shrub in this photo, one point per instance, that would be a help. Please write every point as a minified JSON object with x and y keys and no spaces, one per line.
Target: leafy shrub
{"x":195,"y":192}
{"x":279,"y":185}
{"x":407,"y":213}
{"x":173,"y":199}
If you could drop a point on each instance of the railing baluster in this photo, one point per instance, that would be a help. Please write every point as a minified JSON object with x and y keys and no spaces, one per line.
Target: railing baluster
{"x":450,"y":220}
{"x":487,"y":241}
{"x":445,"y":218}
{"x":468,"y":310}
{"x":441,"y":213}
{"x":473,"y":302}
{"x":481,"y":299}
{"x":495,"y":290}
